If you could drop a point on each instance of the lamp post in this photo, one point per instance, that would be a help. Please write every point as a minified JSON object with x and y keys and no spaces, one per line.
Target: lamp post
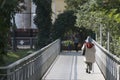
{"x":108,"y":41}
{"x":100,"y":34}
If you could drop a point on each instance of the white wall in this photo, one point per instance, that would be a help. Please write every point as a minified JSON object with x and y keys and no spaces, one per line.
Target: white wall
{"x":25,"y":19}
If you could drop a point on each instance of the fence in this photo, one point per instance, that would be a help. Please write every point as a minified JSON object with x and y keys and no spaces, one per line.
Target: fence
{"x":108,"y":63}
{"x":24,"y":42}
{"x":33,"y":66}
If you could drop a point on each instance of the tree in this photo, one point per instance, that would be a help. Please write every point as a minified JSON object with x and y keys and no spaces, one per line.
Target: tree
{"x":108,"y":4}
{"x":78,"y":8}
{"x":93,"y":14}
{"x":7,"y":9}
{"x":74,"y":4}
{"x":63,"y":23}
{"x":101,"y":13}
{"x":43,"y":21}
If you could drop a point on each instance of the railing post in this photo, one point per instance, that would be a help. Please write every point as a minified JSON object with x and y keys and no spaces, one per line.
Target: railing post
{"x":7,"y":74}
{"x":118,"y":72}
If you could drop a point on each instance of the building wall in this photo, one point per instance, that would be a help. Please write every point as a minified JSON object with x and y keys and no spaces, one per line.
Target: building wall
{"x":58,"y":6}
{"x":24,"y":20}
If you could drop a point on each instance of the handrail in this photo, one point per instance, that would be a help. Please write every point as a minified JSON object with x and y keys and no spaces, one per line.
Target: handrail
{"x":112,"y":56}
{"x":27,"y":57}
{"x":28,"y":65}
{"x":108,"y":63}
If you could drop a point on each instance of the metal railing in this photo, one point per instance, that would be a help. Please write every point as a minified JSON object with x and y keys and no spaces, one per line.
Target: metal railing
{"x":24,"y":42}
{"x":108,"y":63}
{"x":33,"y":66}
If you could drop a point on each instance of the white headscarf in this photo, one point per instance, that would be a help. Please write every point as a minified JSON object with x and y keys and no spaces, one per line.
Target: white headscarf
{"x":89,"y":39}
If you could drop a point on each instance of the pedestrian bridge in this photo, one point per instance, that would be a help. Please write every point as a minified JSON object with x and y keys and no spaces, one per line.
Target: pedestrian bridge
{"x":50,"y":63}
{"x":69,"y":65}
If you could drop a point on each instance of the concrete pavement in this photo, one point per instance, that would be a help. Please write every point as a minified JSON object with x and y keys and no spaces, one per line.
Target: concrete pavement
{"x":70,"y":65}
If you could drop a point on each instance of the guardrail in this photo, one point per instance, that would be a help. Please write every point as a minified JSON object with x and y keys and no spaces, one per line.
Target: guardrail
{"x":108,"y":63}
{"x":33,"y":66}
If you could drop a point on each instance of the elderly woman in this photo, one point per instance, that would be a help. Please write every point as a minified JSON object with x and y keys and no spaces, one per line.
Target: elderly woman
{"x":89,"y":53}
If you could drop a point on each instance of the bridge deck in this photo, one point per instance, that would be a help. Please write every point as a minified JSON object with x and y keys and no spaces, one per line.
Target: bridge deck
{"x":70,"y":66}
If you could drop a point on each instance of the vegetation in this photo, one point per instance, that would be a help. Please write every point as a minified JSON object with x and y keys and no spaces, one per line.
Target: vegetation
{"x":74,"y":4}
{"x":96,"y":14}
{"x":81,"y":30}
{"x":43,"y":21}
{"x":67,"y":43}
{"x":64,"y":23}
{"x":84,"y":14}
{"x":14,"y":56}
{"x":105,"y":14}
{"x":7,"y":10}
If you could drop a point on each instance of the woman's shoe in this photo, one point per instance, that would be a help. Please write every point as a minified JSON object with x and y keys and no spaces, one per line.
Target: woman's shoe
{"x":87,"y":71}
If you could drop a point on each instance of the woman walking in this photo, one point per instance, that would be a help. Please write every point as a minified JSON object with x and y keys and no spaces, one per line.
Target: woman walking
{"x":89,"y":53}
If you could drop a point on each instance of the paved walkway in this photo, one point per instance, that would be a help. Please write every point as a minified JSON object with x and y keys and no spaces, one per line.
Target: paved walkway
{"x":70,"y":66}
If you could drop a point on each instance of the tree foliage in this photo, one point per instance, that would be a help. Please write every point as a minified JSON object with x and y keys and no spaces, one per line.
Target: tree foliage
{"x":43,"y":21}
{"x":74,"y":4}
{"x":7,"y":10}
{"x":63,"y":24}
{"x":104,"y":13}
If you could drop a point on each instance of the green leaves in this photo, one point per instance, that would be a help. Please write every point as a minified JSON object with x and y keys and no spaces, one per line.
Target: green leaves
{"x":7,"y":9}
{"x":43,"y":21}
{"x":64,"y":23}
{"x":74,"y":4}
{"x":106,"y":13}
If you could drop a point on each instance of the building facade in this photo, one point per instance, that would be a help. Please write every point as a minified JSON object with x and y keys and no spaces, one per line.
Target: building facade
{"x":26,"y":30}
{"x":58,"y":6}
{"x":24,"y":20}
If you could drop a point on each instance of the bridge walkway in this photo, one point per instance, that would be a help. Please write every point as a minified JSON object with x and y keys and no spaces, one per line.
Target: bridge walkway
{"x":70,"y":65}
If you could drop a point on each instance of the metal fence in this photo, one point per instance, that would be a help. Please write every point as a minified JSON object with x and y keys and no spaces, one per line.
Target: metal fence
{"x":24,"y":42}
{"x":33,"y":66}
{"x":108,"y":63}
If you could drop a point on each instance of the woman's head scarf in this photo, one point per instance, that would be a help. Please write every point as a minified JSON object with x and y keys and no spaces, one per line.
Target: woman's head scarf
{"x":89,"y":39}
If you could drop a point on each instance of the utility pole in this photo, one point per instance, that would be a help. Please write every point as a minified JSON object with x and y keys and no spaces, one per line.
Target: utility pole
{"x":100,"y":34}
{"x":108,"y":41}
